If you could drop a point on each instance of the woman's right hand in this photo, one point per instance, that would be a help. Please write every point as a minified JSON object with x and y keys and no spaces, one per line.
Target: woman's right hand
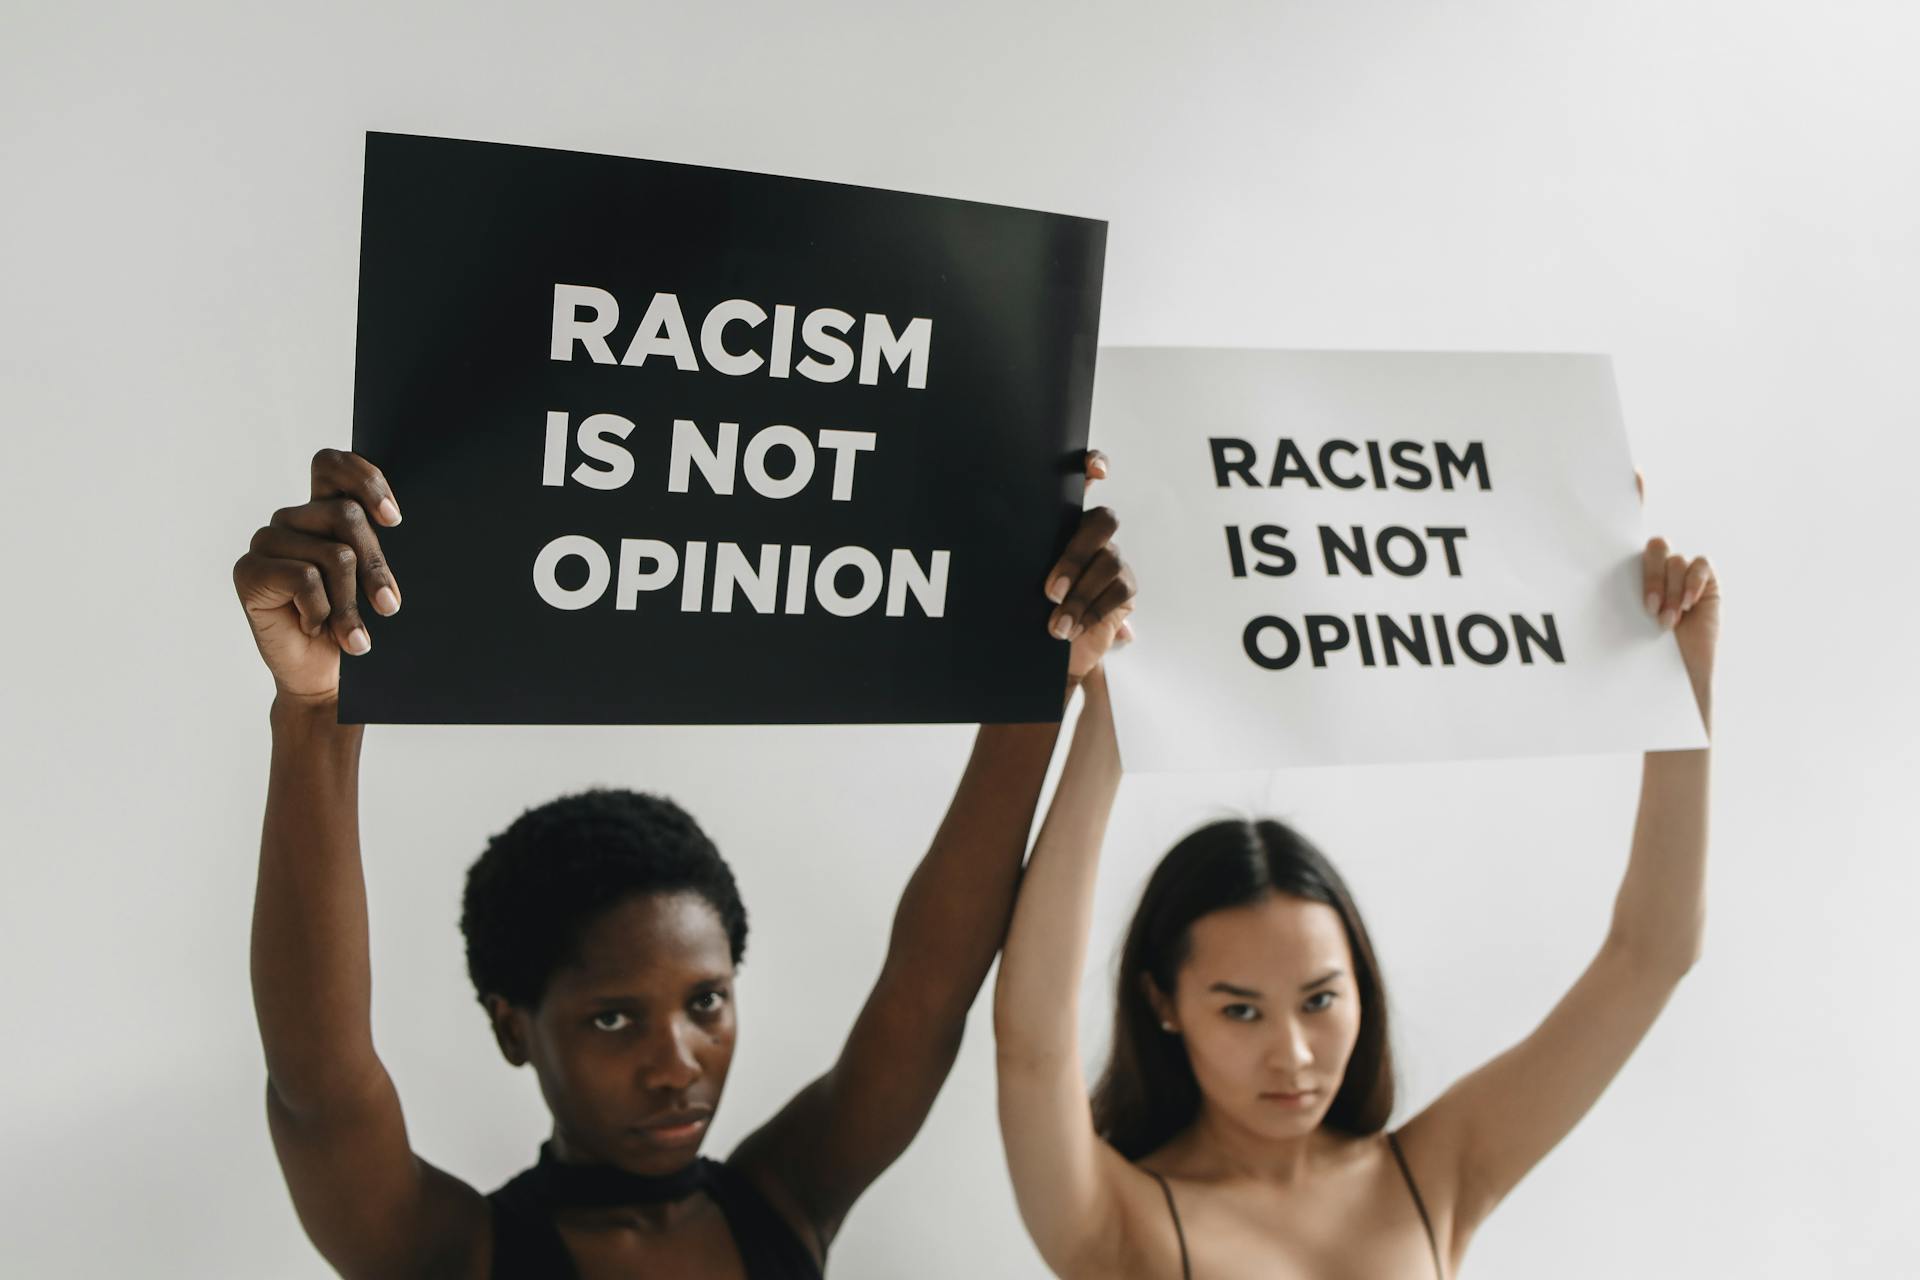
{"x":305,"y":571}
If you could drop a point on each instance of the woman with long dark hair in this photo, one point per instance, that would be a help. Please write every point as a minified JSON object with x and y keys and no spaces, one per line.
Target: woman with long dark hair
{"x":1240,"y":1127}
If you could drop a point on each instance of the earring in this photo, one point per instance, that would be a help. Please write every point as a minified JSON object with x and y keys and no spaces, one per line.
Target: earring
{"x":1168,"y":1027}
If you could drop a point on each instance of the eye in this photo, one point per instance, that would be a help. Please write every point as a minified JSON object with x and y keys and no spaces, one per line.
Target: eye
{"x":1241,"y":1012}
{"x":611,"y":1020}
{"x":709,"y":1002}
{"x":1319,"y":1002}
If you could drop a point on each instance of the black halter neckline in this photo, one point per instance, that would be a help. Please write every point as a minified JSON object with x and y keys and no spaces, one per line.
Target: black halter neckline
{"x":559,"y":1185}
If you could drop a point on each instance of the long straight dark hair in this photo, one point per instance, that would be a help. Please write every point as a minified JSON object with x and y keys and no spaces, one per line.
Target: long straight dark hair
{"x":1148,"y":1093}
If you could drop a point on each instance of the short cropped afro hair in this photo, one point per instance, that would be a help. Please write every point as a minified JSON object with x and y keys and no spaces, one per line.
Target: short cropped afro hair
{"x":531,"y":895}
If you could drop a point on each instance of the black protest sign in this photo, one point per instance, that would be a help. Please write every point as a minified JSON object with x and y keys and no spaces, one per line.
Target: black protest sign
{"x":689,"y":445}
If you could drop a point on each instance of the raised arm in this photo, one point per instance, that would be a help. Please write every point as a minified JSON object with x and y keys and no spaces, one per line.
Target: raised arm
{"x":1480,"y":1138}
{"x":843,"y":1130}
{"x":369,"y":1205}
{"x":1067,"y":1181}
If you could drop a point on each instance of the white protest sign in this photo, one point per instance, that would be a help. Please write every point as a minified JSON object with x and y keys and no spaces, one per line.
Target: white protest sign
{"x":1355,"y":557}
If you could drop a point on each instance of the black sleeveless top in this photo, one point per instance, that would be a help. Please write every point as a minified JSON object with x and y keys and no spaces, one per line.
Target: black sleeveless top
{"x":1393,"y":1141}
{"x":527,"y":1246}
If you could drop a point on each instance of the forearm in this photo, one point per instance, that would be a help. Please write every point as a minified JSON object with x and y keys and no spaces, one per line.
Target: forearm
{"x":1660,"y":914}
{"x":311,"y":984}
{"x":1036,"y":1001}
{"x":954,"y":911}
{"x":842,"y":1131}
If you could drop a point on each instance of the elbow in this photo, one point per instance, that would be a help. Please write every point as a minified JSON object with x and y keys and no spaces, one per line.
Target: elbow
{"x":1022,"y":1062}
{"x":1664,"y":960}
{"x":1696,"y":946}
{"x":1656,"y":940}
{"x":1671,"y":969}
{"x":316,"y":1096}
{"x":1006,"y":1020}
{"x":1019,"y":1054}
{"x":1031,"y":1034}
{"x":1010,"y":1048}
{"x":1044,"y":1059}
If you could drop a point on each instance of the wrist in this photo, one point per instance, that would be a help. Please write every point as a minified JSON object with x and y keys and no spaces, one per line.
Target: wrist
{"x":312,"y":749}
{"x":296,"y":715}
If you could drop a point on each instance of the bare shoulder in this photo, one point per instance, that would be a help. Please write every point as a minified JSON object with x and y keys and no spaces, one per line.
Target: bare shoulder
{"x":1148,"y":1239}
{"x":1430,"y":1146}
{"x":1429,"y":1150}
{"x":1126,"y":1229}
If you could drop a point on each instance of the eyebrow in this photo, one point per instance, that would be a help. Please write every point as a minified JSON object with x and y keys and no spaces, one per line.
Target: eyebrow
{"x":1248,"y":993}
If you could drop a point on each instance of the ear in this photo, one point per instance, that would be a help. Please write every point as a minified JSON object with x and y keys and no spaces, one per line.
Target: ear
{"x":510,"y":1029}
{"x":1161,"y":1004}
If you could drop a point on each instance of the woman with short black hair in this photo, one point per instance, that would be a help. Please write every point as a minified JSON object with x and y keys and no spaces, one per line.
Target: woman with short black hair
{"x":603,"y":931}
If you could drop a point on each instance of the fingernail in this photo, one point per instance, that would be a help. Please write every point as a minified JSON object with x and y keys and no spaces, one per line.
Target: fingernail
{"x":1057,"y":589}
{"x":389,"y":512}
{"x":1062,"y":627}
{"x":1078,"y":627}
{"x":386,"y":601}
{"x":1653,"y":605}
{"x":1667,"y":618}
{"x":358,"y":641}
{"x":1098,"y":468}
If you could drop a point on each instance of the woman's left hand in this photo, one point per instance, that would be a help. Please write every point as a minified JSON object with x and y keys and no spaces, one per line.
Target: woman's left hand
{"x":1091,"y":586}
{"x":1684,"y":597}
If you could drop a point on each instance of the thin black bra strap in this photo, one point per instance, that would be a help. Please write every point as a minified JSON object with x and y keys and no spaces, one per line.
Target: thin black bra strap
{"x":1186,"y":1267}
{"x":1433,"y":1244}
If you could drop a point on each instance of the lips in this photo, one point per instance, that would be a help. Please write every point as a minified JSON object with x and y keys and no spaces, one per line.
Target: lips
{"x":1295,"y":1100}
{"x":674,"y":1128}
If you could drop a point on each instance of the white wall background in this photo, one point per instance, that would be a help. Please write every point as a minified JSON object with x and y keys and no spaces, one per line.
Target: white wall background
{"x":1724,"y":195}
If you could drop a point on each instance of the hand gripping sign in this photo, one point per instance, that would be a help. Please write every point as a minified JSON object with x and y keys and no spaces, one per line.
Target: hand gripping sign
{"x":1354,"y":557}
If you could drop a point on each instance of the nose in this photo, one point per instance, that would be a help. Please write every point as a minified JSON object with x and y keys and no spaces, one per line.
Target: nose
{"x":670,"y":1062}
{"x":1290,"y":1050}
